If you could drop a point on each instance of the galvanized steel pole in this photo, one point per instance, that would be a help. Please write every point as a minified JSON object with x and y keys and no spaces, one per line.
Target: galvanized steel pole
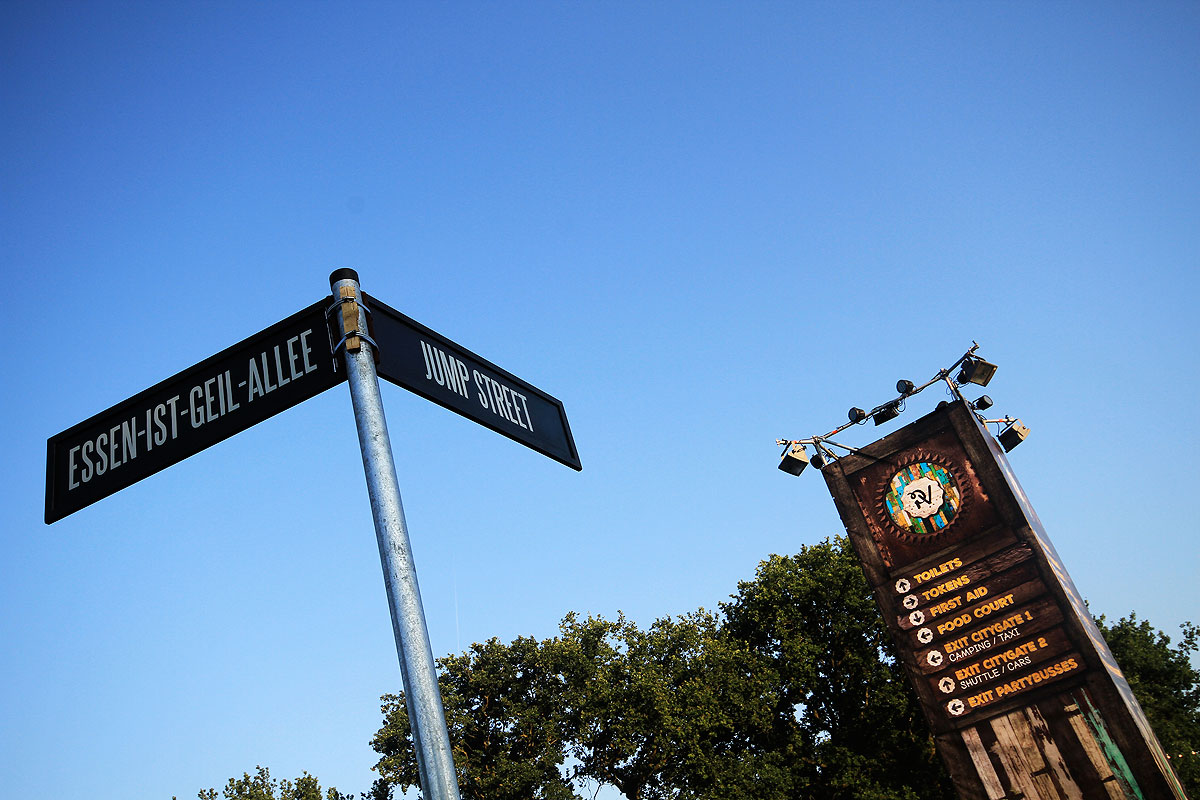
{"x":421,"y":695}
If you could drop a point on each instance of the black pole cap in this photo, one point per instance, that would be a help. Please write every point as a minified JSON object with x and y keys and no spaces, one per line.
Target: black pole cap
{"x":342,"y":274}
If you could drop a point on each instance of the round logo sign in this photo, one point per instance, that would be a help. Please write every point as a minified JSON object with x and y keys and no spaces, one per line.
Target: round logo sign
{"x":922,"y":499}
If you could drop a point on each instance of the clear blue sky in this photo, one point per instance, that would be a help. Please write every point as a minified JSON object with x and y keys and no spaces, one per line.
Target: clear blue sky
{"x":702,"y":226}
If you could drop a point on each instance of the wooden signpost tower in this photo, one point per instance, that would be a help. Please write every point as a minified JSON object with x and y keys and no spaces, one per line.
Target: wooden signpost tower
{"x":1023,"y":695}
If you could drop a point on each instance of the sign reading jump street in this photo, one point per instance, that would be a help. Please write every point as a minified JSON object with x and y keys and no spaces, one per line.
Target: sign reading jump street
{"x":429,"y":364}
{"x":241,"y":386}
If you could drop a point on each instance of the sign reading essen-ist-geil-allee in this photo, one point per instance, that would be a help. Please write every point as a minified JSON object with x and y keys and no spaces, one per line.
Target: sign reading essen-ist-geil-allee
{"x":224,"y":394}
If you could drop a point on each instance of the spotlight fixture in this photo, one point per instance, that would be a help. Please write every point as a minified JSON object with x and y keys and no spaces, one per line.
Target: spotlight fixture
{"x":971,"y":369}
{"x":795,"y":459}
{"x":1013,"y":435}
{"x":976,"y":371}
{"x":886,"y":412}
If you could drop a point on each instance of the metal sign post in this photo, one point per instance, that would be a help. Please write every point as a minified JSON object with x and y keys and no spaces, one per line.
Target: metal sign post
{"x":286,"y":364}
{"x":421,"y":695}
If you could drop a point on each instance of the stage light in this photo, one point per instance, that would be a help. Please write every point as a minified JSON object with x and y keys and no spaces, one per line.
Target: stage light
{"x":905,"y":387}
{"x":976,"y":371}
{"x":982,"y":404}
{"x":857,"y":415}
{"x":818,"y":460}
{"x":887,"y":412}
{"x":795,"y":459}
{"x":1013,"y":435}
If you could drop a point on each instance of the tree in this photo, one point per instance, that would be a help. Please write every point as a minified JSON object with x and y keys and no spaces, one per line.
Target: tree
{"x":842,"y":710}
{"x":261,"y":786}
{"x":790,"y":691}
{"x":603,"y":703}
{"x":643,"y":709}
{"x":1167,"y":687}
{"x":502,"y":709}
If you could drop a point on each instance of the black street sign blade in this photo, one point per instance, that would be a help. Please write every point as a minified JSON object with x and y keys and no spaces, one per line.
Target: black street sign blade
{"x":430,"y":365}
{"x":267,"y":373}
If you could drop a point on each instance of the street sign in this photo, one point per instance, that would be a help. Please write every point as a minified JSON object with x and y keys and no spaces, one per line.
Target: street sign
{"x":284,"y":365}
{"x":432,"y":366}
{"x":224,"y":394}
{"x":272,"y":371}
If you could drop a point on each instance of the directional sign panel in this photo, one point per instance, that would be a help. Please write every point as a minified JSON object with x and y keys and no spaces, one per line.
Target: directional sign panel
{"x":429,"y":364}
{"x":254,"y":379}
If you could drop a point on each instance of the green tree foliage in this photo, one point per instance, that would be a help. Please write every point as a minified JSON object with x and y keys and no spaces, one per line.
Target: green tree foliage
{"x":790,"y":691}
{"x":1167,"y":687}
{"x":261,"y":786}
{"x":842,"y":710}
{"x":503,"y":708}
{"x":647,"y":712}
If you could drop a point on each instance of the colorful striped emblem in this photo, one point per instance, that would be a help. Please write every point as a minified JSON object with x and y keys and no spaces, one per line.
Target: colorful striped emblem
{"x":923,"y":498}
